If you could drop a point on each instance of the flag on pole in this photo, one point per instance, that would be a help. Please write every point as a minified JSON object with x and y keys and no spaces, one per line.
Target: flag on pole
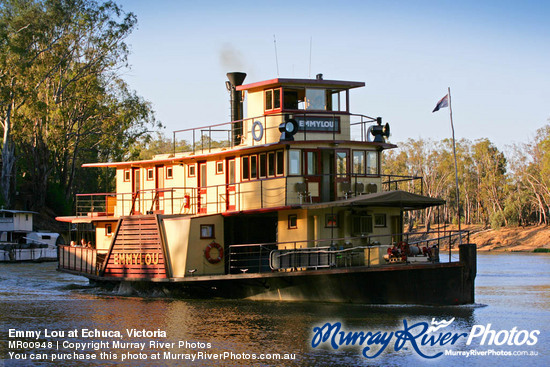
{"x":443,"y":102}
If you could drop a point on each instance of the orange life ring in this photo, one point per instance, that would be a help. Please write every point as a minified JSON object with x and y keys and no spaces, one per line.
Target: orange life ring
{"x":213,"y":260}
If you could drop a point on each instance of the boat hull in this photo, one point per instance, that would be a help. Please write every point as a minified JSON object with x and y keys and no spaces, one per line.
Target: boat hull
{"x":426,"y":284}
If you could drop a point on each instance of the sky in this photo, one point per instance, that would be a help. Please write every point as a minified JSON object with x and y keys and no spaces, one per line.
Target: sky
{"x":493,"y":55}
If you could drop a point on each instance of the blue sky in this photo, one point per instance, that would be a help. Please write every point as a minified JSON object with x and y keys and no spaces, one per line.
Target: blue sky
{"x":494,"y":55}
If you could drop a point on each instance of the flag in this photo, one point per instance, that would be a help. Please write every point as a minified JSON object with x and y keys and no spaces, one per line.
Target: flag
{"x":443,"y":102}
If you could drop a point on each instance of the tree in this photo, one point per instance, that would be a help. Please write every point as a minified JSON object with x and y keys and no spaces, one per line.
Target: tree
{"x":63,"y":61}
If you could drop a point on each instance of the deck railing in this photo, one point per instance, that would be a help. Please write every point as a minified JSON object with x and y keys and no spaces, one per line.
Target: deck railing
{"x":247,"y":195}
{"x":345,"y":252}
{"x":339,"y":252}
{"x":230,"y":134}
{"x":80,"y":259}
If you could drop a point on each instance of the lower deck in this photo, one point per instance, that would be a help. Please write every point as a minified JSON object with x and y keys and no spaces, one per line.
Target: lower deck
{"x":427,"y":284}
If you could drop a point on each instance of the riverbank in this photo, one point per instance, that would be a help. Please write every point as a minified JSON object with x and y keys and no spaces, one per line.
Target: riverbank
{"x":505,"y":239}
{"x":508,"y":239}
{"x":513,"y":239}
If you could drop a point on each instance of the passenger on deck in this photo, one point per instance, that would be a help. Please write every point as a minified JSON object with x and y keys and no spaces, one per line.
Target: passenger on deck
{"x":83,"y":243}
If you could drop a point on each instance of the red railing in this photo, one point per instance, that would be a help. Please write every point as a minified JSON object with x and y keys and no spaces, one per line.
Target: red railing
{"x":248,"y":195}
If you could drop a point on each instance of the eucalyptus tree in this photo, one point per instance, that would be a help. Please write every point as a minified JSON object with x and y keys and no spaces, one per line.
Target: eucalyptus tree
{"x":68,"y":99}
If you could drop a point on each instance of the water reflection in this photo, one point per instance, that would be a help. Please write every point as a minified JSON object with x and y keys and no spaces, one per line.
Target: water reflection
{"x":35,"y":297}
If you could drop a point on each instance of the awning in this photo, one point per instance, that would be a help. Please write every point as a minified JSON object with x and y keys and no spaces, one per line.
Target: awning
{"x":395,"y":199}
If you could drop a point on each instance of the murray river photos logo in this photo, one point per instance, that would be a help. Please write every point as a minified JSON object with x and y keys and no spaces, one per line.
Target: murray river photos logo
{"x":425,"y":339}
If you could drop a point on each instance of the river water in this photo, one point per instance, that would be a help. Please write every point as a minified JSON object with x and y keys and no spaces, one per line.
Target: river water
{"x":512,"y":291}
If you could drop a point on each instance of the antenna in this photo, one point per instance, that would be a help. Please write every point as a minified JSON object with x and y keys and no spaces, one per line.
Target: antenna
{"x":276,"y":60}
{"x":310,"y":42}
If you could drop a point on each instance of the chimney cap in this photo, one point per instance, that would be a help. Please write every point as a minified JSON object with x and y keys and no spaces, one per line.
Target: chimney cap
{"x":319,"y":76}
{"x":236,"y":78}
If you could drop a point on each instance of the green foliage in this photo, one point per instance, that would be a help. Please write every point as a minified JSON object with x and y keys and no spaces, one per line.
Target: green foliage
{"x":56,"y":200}
{"x":497,"y":220}
{"x":495,"y":189}
{"x":63,"y":101}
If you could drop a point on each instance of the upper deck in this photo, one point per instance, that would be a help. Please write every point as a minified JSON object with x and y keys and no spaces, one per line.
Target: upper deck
{"x":300,"y":144}
{"x":284,"y":110}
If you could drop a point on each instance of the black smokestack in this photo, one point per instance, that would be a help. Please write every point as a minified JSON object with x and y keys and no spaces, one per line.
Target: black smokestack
{"x":236,"y":79}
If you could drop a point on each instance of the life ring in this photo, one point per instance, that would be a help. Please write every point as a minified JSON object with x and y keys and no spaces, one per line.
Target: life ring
{"x":213,"y":260}
{"x":257,"y":134}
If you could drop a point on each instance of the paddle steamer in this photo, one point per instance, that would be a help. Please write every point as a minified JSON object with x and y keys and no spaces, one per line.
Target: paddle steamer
{"x":287,"y":203}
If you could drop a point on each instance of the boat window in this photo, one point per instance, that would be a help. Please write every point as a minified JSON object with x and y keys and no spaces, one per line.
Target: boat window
{"x":341,"y":163}
{"x":246,"y":168}
{"x":202,"y":177}
{"x":207,"y":231}
{"x":272,"y":99}
{"x":271,"y":164}
{"x":361,"y":224}
{"x":316,"y":99}
{"x":313,"y":99}
{"x":253,"y":166}
{"x":380,"y":220}
{"x":331,"y":220}
{"x":311,"y":162}
{"x":149,"y":174}
{"x":219,"y":167}
{"x":263,"y":165}
{"x":169,"y":172}
{"x":372,"y":163}
{"x":280,"y":162}
{"x":191,"y":170}
{"x":337,"y":100}
{"x":294,"y":99}
{"x":295,"y":164}
{"x":276,"y":99}
{"x":231,"y":168}
{"x":126,"y":175}
{"x":358,"y":162}
{"x":269,"y":100}
{"x":292,"y":221}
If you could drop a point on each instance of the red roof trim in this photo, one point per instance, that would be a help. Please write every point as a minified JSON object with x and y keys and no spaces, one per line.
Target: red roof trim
{"x":318,"y":82}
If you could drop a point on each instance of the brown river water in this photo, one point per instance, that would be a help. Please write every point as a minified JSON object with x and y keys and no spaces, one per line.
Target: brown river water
{"x":54,"y":319}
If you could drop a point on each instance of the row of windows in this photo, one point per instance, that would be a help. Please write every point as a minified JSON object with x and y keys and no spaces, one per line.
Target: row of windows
{"x":271,"y":164}
{"x":317,"y":99}
{"x":150,"y":175}
{"x":263,"y":165}
{"x":361,"y":224}
{"x":365,"y":162}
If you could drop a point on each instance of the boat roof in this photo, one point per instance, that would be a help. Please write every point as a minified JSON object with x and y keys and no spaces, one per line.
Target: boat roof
{"x":396,"y":199}
{"x":318,"y":83}
{"x":17,"y":211}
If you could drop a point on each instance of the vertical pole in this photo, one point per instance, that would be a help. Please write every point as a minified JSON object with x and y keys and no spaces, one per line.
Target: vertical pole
{"x":456,"y":177}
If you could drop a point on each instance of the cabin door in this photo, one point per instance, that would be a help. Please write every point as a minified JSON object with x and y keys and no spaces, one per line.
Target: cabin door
{"x":159,"y":189}
{"x":136,"y":187}
{"x":312,"y":170}
{"x":327,"y":175}
{"x":342,"y":181}
{"x":396,"y":227}
{"x":202,"y":195}
{"x":230,"y":196}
